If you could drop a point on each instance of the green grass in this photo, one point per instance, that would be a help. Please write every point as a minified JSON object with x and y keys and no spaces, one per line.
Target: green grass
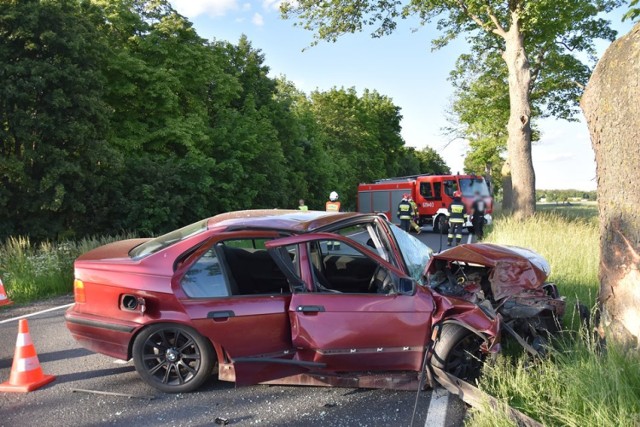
{"x":30,"y":272}
{"x":578,"y":385}
{"x":568,"y":238}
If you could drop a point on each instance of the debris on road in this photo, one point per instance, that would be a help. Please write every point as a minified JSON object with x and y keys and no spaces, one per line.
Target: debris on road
{"x":111,"y":393}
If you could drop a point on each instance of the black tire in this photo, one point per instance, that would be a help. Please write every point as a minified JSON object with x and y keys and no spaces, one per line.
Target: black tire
{"x":173,"y":358}
{"x":441,"y":226}
{"x":458,"y":352}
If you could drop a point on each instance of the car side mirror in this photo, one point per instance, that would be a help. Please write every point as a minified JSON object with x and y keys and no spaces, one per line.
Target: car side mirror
{"x":406,"y":286}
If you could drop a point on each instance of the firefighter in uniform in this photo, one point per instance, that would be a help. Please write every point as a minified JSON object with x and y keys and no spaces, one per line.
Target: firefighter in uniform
{"x":478,"y":210}
{"x":333,"y":205}
{"x":457,"y":212}
{"x":416,"y":216}
{"x":405,"y":212}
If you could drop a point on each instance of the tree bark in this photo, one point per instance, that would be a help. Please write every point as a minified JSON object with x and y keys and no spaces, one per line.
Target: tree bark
{"x":507,"y":192}
{"x":611,"y":107}
{"x":519,"y":143}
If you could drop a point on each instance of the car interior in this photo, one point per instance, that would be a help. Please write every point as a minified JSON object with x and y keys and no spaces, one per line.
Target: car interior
{"x":244,"y":267}
{"x":252,"y":271}
{"x":346,"y":270}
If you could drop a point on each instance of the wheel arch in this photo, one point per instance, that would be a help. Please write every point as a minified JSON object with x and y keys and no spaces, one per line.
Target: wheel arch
{"x":445,"y":322}
{"x":145,"y":326}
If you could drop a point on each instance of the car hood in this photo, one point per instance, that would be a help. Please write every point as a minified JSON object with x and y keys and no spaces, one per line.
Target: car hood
{"x":515,"y":270}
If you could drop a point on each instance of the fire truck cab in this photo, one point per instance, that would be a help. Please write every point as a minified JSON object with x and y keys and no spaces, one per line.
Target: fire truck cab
{"x":432,"y":193}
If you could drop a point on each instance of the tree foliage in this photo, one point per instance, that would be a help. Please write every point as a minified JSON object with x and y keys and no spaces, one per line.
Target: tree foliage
{"x":52,"y":113}
{"x":634,"y":11}
{"x":115,"y":116}
{"x":536,"y":40}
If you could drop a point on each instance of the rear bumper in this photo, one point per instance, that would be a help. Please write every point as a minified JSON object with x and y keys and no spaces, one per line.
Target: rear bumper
{"x":108,"y":336}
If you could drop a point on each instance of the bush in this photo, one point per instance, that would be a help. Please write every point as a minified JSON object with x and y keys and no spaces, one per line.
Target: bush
{"x":31,"y":272}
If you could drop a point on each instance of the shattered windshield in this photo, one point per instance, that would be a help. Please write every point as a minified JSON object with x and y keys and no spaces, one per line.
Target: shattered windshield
{"x":416,"y":254}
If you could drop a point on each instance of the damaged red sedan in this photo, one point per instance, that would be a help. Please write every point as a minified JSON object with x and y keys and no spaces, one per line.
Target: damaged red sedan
{"x":277,"y":296}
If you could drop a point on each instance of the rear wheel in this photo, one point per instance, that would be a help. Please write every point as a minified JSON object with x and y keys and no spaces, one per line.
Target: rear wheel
{"x":173,"y":358}
{"x":457,"y":352}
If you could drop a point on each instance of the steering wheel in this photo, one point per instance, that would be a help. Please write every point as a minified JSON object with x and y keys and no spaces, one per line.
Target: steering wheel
{"x":380,"y":281}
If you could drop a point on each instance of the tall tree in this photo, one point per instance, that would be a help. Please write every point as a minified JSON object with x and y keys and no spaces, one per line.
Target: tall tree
{"x":308,"y":164}
{"x":158,"y":77}
{"x":431,"y":162}
{"x":52,"y":117}
{"x":610,"y":104}
{"x":361,"y":134}
{"x":480,"y":109}
{"x":531,"y":37}
{"x":246,"y":141}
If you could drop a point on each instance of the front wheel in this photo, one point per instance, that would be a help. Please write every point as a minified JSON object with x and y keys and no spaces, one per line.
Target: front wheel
{"x":173,"y":358}
{"x":441,"y":225}
{"x":458,"y":353}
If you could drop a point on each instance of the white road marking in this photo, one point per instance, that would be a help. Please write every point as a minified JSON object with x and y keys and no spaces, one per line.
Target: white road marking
{"x":36,"y":313}
{"x":437,"y":415}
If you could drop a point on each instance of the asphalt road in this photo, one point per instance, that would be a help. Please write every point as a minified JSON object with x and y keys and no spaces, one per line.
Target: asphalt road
{"x":60,"y":402}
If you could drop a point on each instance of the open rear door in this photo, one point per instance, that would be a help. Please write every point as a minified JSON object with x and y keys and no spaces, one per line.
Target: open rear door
{"x":251,"y":331}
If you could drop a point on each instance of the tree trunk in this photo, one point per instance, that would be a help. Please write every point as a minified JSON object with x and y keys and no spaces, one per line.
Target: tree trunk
{"x":507,"y":192}
{"x":519,"y":143}
{"x":611,"y":107}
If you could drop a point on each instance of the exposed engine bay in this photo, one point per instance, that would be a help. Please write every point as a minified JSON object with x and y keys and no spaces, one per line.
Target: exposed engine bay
{"x":514,"y":286}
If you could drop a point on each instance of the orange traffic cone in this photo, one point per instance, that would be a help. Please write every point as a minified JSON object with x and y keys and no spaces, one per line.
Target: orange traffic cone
{"x":4,"y":299}
{"x":26,"y":373}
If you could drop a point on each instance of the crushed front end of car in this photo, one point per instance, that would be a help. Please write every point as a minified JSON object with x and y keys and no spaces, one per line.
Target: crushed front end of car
{"x":511,"y":279}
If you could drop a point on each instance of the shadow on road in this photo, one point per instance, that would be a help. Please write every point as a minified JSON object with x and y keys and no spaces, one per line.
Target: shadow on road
{"x":65,"y":378}
{"x":63,"y":354}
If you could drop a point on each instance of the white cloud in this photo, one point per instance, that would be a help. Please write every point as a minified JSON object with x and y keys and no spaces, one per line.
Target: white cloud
{"x":194,"y":8}
{"x":257,"y":19}
{"x":246,"y":7}
{"x":271,"y":4}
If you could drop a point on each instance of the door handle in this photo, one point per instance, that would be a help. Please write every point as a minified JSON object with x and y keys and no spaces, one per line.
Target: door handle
{"x":310,"y":309}
{"x":220,"y":315}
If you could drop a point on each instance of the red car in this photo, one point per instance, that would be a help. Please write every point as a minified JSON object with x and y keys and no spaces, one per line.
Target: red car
{"x":281,"y":296}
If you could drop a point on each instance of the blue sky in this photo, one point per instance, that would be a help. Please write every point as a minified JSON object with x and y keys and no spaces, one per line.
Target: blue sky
{"x":401,"y":66}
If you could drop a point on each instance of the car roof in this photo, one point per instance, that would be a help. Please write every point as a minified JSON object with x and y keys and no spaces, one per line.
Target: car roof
{"x":295,"y":221}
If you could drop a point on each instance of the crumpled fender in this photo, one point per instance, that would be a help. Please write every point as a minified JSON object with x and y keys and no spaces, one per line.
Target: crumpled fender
{"x":482,"y":320}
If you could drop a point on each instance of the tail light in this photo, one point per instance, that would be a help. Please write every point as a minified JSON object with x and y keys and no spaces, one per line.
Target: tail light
{"x":78,"y":291}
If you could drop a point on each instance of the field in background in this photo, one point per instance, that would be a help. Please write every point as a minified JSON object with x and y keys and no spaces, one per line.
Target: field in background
{"x":567,"y":236}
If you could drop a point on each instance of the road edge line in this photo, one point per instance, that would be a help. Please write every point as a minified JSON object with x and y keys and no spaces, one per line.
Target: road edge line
{"x":24,"y":316}
{"x":437,"y":412}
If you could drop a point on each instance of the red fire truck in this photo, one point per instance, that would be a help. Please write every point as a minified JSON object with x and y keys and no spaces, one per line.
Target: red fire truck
{"x":432,"y":194}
